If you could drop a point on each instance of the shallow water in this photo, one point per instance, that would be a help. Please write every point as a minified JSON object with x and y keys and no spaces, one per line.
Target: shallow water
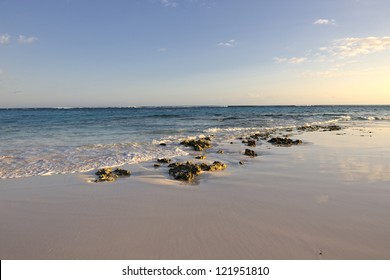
{"x":44,"y":141}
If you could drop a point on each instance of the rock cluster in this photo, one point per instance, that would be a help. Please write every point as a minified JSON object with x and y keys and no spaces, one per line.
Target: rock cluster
{"x":107,"y":175}
{"x":312,"y":128}
{"x":188,"y":171}
{"x":199,"y":144}
{"x":284,"y":141}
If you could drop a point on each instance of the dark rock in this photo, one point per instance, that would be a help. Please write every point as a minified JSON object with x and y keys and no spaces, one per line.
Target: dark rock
{"x":284,"y":141}
{"x":188,"y":171}
{"x":332,"y":128}
{"x":163,"y":160}
{"x":250,"y":153}
{"x":241,"y":162}
{"x":107,"y":175}
{"x":104,"y":171}
{"x":163,"y":144}
{"x":198,"y":145}
{"x":201,"y":157}
{"x":156,"y":165}
{"x":251,"y":143}
{"x":231,"y":143}
{"x":216,"y":165}
{"x":185,"y":171}
{"x":220,"y":152}
{"x":122,"y":172}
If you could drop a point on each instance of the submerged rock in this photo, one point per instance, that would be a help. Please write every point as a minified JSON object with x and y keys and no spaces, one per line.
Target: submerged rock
{"x":284,"y":141}
{"x":198,"y":145}
{"x":163,"y":160}
{"x":250,"y":153}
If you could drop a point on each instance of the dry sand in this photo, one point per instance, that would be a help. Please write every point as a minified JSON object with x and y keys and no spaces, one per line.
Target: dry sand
{"x":326,"y":199}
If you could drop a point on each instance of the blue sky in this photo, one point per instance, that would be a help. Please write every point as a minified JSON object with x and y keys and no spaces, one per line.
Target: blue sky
{"x":193,"y":52}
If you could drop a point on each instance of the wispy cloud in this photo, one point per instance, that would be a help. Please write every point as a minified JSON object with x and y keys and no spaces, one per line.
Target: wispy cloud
{"x":230,"y":43}
{"x":351,"y":47}
{"x":290,"y":60}
{"x":168,"y":3}
{"x":4,"y":39}
{"x":26,"y":40}
{"x":323,"y":21}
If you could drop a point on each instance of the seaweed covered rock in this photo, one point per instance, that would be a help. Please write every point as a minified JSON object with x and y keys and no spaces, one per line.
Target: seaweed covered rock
{"x":250,"y":153}
{"x":107,"y":175}
{"x":284,"y":141}
{"x":198,"y":145}
{"x":216,"y":165}
{"x":188,"y":171}
{"x":185,"y":171}
{"x":122,"y":172}
{"x":163,"y":160}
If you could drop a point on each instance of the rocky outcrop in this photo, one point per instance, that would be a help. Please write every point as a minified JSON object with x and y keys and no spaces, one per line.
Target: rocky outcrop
{"x":284,"y":141}
{"x":199,"y":144}
{"x":188,"y":171}
{"x":251,"y":143}
{"x":107,"y":175}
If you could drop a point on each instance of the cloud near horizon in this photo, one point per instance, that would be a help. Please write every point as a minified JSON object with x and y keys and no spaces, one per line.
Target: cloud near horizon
{"x":351,"y":47}
{"x":291,"y":60}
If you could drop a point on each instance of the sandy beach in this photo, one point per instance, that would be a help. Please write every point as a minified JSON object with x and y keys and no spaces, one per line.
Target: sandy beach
{"x":328,"y":198}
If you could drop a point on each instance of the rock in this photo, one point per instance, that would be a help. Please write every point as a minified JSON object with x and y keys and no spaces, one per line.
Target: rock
{"x":163,"y":144}
{"x":107,"y":175}
{"x":185,"y":171}
{"x":207,"y":138}
{"x":198,"y":145}
{"x":241,"y":162}
{"x":201,"y":157}
{"x":104,"y":171}
{"x":156,"y":165}
{"x":231,"y":143}
{"x":122,"y":172}
{"x":251,"y":143}
{"x":250,"y":153}
{"x":188,"y":171}
{"x":284,"y":141}
{"x":163,"y":160}
{"x":332,"y":128}
{"x":216,"y":165}
{"x":254,"y":136}
{"x":220,"y":152}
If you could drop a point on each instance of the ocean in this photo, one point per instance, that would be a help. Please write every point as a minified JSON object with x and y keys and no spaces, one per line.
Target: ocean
{"x":44,"y":141}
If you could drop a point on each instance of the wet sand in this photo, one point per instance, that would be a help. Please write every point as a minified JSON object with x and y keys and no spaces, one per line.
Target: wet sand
{"x":326,"y":199}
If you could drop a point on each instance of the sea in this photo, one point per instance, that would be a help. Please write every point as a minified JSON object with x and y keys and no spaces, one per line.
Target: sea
{"x":45,"y":141}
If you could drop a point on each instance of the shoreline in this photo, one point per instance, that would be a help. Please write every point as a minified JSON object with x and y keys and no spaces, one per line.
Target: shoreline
{"x":325,"y":199}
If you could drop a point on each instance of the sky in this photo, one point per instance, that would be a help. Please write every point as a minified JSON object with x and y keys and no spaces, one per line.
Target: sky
{"x":98,"y":53}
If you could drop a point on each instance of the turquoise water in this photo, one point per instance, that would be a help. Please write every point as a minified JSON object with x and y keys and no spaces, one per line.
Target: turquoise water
{"x":65,"y":140}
